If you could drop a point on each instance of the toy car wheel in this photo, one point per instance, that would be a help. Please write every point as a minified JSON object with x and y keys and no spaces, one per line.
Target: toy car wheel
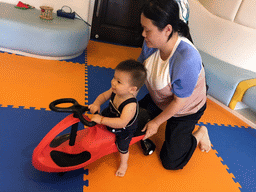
{"x":147,"y":146}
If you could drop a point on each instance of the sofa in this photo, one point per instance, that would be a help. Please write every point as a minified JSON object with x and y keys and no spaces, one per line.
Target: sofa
{"x":224,"y":32}
{"x":24,"y":32}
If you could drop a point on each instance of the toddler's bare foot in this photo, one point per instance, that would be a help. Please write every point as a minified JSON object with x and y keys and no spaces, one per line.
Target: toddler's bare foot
{"x":121,"y":170}
{"x":203,"y":139}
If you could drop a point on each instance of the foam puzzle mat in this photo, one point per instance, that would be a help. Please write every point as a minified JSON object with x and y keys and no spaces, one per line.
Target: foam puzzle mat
{"x":28,"y":85}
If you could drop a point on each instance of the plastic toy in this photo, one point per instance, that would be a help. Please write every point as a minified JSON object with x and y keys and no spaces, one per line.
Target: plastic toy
{"x":21,"y":5}
{"x":81,"y":147}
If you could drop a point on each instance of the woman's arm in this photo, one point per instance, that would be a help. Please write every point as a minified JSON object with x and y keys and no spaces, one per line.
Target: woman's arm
{"x":175,"y":106}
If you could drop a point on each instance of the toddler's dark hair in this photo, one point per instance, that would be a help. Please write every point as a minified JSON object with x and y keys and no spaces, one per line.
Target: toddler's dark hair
{"x":136,"y":69}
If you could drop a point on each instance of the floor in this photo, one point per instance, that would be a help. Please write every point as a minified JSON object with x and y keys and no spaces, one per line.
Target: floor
{"x":28,"y":86}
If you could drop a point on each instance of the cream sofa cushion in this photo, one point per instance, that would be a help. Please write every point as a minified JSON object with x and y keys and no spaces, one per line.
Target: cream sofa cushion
{"x":226,"y":40}
{"x":226,"y":9}
{"x":246,"y":14}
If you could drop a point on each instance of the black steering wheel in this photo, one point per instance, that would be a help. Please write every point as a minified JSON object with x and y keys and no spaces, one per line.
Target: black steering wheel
{"x":76,"y":109}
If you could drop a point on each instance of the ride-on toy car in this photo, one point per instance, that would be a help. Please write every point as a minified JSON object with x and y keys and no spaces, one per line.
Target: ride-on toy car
{"x":79,"y":148}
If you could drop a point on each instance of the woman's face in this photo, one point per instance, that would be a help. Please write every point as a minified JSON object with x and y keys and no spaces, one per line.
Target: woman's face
{"x":154,"y":38}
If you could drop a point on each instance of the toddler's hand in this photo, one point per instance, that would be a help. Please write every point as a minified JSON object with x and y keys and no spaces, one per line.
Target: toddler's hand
{"x":96,"y":118}
{"x":94,"y":108}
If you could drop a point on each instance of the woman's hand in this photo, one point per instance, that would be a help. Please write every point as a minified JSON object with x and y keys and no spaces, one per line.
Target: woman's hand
{"x":151,"y":128}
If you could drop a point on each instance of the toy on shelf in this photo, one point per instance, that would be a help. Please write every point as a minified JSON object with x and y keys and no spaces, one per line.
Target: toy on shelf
{"x":46,"y":12}
{"x":21,"y":5}
{"x":78,"y":149}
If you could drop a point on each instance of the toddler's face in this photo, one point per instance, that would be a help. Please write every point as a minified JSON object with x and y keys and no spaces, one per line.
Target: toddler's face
{"x":121,"y":83}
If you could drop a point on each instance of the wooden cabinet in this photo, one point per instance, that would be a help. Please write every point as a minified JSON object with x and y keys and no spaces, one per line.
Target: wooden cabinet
{"x":117,"y":21}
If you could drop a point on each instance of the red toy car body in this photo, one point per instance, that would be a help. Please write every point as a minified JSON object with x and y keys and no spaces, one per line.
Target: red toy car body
{"x":79,"y":148}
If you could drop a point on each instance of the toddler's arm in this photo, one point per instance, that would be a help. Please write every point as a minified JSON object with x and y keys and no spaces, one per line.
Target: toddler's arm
{"x":117,"y":122}
{"x":102,"y":98}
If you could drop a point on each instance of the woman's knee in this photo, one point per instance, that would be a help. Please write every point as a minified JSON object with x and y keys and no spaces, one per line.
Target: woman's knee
{"x":169,"y":163}
{"x":171,"y":159}
{"x":170,"y":166}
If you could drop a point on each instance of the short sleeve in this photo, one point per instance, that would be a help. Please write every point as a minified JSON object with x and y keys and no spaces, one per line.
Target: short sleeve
{"x":187,"y":65}
{"x":145,"y":53}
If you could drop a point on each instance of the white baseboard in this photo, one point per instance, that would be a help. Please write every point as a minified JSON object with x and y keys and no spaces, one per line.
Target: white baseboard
{"x":238,"y":115}
{"x":39,"y":56}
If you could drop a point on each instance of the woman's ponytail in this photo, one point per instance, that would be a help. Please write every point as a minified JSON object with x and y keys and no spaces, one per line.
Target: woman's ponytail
{"x":183,"y":28}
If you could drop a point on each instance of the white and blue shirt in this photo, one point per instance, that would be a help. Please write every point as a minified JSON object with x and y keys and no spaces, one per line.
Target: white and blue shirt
{"x":181,"y":74}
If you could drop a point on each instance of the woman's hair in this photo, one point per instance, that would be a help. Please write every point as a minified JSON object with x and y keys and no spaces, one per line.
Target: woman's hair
{"x":164,"y":12}
{"x":137,"y":71}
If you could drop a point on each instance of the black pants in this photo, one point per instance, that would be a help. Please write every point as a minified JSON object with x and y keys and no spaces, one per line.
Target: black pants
{"x":179,"y":144}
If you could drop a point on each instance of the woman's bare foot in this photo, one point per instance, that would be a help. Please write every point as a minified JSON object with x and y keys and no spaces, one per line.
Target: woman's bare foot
{"x":203,"y":139}
{"x":121,"y":170}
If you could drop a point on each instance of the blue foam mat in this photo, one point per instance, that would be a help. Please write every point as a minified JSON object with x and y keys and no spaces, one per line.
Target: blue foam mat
{"x":79,"y":59}
{"x":21,"y":131}
{"x":100,"y":81}
{"x":237,"y":147}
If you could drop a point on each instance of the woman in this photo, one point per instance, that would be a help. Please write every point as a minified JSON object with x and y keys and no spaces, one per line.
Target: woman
{"x":175,"y":81}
